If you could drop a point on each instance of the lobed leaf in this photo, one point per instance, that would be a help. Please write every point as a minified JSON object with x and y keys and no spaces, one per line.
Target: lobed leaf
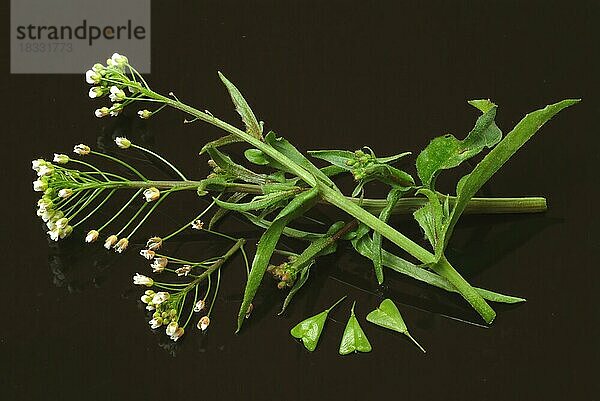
{"x":447,"y":152}
{"x":354,"y":338}
{"x":388,"y":316}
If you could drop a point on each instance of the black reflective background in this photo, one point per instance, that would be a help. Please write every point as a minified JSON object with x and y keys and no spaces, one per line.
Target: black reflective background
{"x":388,"y":74}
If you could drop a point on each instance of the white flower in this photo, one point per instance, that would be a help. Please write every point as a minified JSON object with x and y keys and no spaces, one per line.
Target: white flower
{"x":45,"y":204}
{"x":65,"y":193}
{"x":147,"y":253}
{"x":47,"y":215}
{"x":81,"y":149}
{"x":155,"y":323}
{"x":140,"y":279}
{"x":116,"y":94}
{"x":102,"y":112}
{"x":95,"y":91}
{"x":92,"y":77}
{"x":121,"y":245}
{"x":122,"y":142}
{"x":98,"y":67}
{"x":54,"y":234}
{"x":183,"y":270}
{"x":91,"y":236}
{"x":199,"y":305}
{"x":203,"y":323}
{"x":60,"y":158}
{"x":151,"y":194}
{"x":171,"y":328}
{"x":160,"y":297}
{"x":119,"y":59}
{"x":40,"y":185}
{"x":154,"y":243}
{"x":197,"y":225}
{"x":177,"y":334}
{"x":145,"y":114}
{"x":45,"y":170}
{"x":159,"y":264}
{"x":62,"y":222}
{"x":66,"y":232}
{"x":110,"y":241}
{"x":115,"y":109}
{"x":37,"y":164}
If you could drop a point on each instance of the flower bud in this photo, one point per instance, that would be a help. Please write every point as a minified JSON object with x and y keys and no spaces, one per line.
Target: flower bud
{"x":95,"y":91}
{"x":147,"y":253}
{"x":68,"y":230}
{"x":199,"y":305}
{"x":110,"y":241}
{"x":92,"y":77}
{"x":151,"y":194}
{"x":177,"y":334}
{"x":62,"y":222}
{"x":60,"y":158}
{"x":160,"y":297}
{"x":116,"y":94}
{"x":102,"y":112}
{"x":121,"y":245}
{"x":154,"y":243}
{"x":145,"y":114}
{"x":203,"y":323}
{"x":122,"y":142}
{"x":81,"y":149}
{"x":65,"y":193}
{"x":116,"y":109}
{"x":91,"y":236}
{"x":171,"y":328}
{"x":140,"y":279}
{"x":159,"y":264}
{"x":40,"y":185}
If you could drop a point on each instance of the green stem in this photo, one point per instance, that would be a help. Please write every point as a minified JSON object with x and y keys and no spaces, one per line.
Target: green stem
{"x":444,"y":268}
{"x":238,"y":244}
{"x":534,"y":204}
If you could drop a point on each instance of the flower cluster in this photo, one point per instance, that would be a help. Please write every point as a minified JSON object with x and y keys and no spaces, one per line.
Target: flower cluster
{"x":121,"y":82}
{"x":284,"y":274}
{"x":165,"y":312}
{"x":58,"y":186}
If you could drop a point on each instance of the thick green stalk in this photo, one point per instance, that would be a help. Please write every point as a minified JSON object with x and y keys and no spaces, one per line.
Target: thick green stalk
{"x":533,"y":204}
{"x":442,"y":267}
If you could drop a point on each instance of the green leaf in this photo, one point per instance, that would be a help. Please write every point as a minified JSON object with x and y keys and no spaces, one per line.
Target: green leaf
{"x":354,"y":338}
{"x":392,"y":199}
{"x":222,"y":141}
{"x":267,"y":243}
{"x":446,"y":151}
{"x":219,"y":214}
{"x":253,"y":127}
{"x":431,"y":217}
{"x":258,"y":202}
{"x":256,"y":156}
{"x":387,"y":315}
{"x":394,"y":158}
{"x":364,"y":247}
{"x":514,"y":140}
{"x":309,"y":330}
{"x":283,"y":146}
{"x":338,"y":158}
{"x":483,"y":105}
{"x":229,"y":166}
